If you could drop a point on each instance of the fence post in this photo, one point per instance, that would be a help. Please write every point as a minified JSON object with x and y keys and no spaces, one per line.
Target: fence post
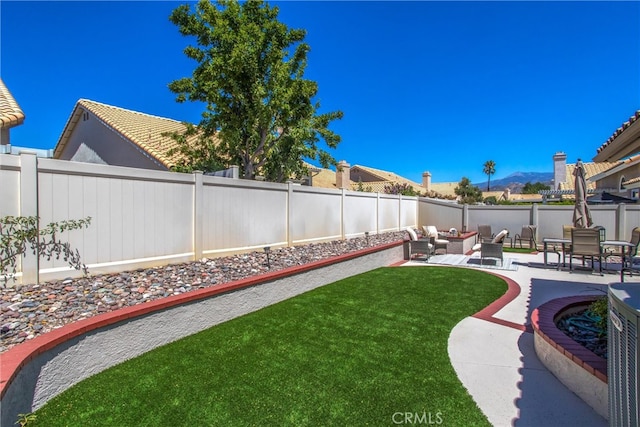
{"x":400,"y":212}
{"x":621,"y":222}
{"x":289,"y":213}
{"x":29,"y":207}
{"x":198,"y":190}
{"x":465,"y":217}
{"x":534,"y":221}
{"x":342,"y":205}
{"x":378,"y":213}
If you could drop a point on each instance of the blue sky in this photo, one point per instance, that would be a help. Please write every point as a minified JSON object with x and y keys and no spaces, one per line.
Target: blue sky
{"x":437,"y":86}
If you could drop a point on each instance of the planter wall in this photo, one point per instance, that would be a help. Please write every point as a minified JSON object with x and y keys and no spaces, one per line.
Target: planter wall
{"x":578,"y":368}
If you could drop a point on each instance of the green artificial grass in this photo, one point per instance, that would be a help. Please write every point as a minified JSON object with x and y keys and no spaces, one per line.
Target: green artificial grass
{"x":354,"y":352}
{"x":519,"y":250}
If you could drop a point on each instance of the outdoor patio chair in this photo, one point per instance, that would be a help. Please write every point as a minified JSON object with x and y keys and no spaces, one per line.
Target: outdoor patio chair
{"x":527,"y":234}
{"x":585,"y":242}
{"x":629,"y":257}
{"x":424,"y":246}
{"x":566,"y":250}
{"x":484,"y":232}
{"x":440,"y":243}
{"x":492,"y":248}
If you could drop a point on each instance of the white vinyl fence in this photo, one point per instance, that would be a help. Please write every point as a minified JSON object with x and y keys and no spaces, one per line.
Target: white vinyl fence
{"x":618,"y":220}
{"x":143,"y":218}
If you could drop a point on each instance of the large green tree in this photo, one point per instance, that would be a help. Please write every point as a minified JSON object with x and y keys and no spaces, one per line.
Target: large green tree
{"x":260,"y":112}
{"x":530,"y":188}
{"x":489,"y":168}
{"x":468,"y":192}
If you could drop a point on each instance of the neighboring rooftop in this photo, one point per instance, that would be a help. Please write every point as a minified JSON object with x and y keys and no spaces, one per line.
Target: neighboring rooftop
{"x":591,"y":169}
{"x":141,"y":129}
{"x":10,"y":112}
{"x":624,"y":142}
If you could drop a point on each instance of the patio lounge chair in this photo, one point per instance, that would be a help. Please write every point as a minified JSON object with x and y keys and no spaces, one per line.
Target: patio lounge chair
{"x":628,"y":257}
{"x":432,"y":231}
{"x":492,"y":248}
{"x":484,"y":232}
{"x":424,"y":246}
{"x":585,"y":242}
{"x":527,"y":234}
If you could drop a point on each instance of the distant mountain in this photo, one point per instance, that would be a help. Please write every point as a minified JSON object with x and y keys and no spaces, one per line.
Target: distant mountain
{"x":516,"y":181}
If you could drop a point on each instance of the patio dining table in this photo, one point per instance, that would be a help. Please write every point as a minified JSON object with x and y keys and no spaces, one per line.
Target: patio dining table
{"x":622,"y":244}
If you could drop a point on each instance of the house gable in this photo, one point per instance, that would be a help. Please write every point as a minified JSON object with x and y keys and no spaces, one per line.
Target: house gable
{"x":118,"y":136}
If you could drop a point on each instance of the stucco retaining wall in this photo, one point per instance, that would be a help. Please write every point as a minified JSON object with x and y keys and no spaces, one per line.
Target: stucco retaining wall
{"x":36,"y":371}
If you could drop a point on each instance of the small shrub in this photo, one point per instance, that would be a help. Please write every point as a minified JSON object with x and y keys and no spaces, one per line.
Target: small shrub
{"x":600,"y":310}
{"x":22,"y":233}
{"x":26,"y":419}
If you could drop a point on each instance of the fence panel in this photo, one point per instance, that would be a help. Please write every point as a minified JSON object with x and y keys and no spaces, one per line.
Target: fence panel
{"x":605,"y":216}
{"x":408,"y":212}
{"x":388,"y":213}
{"x":138,"y":216}
{"x":630,"y":220}
{"x":360,"y":213}
{"x":241,"y":215}
{"x":443,"y":215}
{"x":316,"y":214}
{"x":500,"y":217}
{"x":9,"y":185}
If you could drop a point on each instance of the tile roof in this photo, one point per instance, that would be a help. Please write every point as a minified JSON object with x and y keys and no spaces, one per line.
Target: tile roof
{"x":142,"y":129}
{"x":632,"y":181}
{"x":10,"y":113}
{"x":590,"y":169}
{"x":386,"y":177}
{"x":326,"y":178}
{"x":444,"y":188}
{"x":618,"y":131}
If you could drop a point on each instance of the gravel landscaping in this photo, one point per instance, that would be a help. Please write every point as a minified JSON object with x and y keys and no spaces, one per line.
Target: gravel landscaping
{"x":31,"y":310}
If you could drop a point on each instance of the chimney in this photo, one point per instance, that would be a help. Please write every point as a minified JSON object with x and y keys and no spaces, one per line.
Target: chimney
{"x":559,"y":169}
{"x":426,"y":180}
{"x":343,"y":175}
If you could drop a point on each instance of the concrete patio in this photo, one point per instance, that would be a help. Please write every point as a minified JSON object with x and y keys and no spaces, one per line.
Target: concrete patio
{"x":495,"y":358}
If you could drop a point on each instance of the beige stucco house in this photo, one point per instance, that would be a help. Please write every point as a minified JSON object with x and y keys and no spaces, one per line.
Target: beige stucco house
{"x":101,"y":133}
{"x":623,"y":150}
{"x":105,"y":134}
{"x":615,"y":169}
{"x":375,"y":180}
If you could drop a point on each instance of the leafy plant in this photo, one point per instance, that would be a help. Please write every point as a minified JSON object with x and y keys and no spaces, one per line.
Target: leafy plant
{"x":468,"y":192}
{"x":397,"y":188}
{"x":600,"y":309}
{"x":530,"y":188}
{"x":22,"y":233}
{"x":260,"y":111}
{"x":491,"y":200}
{"x":489,"y":168}
{"x":25,"y":419}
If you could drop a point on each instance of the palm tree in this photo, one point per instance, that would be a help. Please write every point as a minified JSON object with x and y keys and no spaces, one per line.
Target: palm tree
{"x":489,"y":169}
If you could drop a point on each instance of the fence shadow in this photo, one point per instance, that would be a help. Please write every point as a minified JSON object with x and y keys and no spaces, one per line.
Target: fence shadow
{"x":543,"y":399}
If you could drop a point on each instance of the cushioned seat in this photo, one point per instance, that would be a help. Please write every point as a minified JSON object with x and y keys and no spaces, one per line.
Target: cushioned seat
{"x":432,"y":231}
{"x":499,"y":238}
{"x":425,"y":246}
